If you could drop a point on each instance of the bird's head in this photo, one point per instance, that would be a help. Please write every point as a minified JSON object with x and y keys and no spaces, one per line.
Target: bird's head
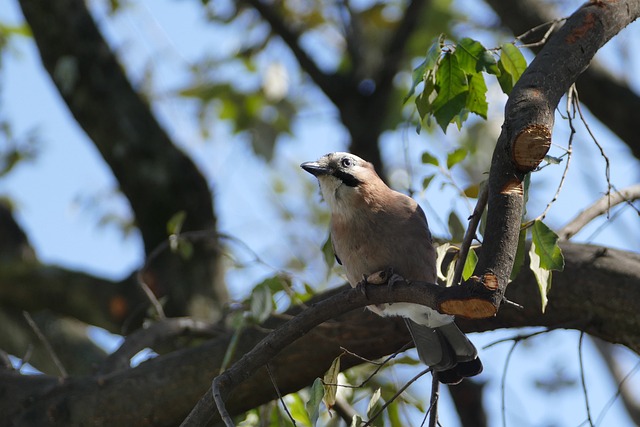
{"x":342,"y":177}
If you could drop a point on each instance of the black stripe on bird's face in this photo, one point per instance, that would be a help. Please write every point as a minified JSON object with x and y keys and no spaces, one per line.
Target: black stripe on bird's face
{"x":348,"y":179}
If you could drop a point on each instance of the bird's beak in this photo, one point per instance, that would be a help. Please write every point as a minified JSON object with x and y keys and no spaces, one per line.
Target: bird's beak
{"x":316,"y":169}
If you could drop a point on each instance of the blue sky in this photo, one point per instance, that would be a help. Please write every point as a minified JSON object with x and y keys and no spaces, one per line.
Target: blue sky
{"x":57,"y":205}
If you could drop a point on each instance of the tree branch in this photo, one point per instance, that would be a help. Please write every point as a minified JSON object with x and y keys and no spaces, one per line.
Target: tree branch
{"x":525,"y":139}
{"x":326,"y":82}
{"x":157,"y":178}
{"x":600,"y":207}
{"x":613,"y":109}
{"x":114,"y":306}
{"x":137,"y":396}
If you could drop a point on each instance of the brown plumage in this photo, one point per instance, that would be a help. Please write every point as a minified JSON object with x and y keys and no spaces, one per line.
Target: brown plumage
{"x":374,"y":228}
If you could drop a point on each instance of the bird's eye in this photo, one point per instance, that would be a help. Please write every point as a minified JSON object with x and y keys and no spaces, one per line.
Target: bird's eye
{"x":347,"y":162}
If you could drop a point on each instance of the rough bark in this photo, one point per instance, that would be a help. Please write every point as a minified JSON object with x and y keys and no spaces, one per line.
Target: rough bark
{"x":599,"y":292}
{"x":157,"y":178}
{"x":529,"y":118}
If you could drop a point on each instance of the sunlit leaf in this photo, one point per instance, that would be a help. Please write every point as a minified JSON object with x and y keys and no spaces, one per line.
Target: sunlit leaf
{"x":469,"y":52}
{"x":356,"y":421}
{"x":512,"y":64}
{"x":452,"y":88}
{"x":429,"y":159}
{"x":546,"y":241}
{"x":542,"y":275}
{"x":441,"y":253}
{"x":456,"y":156}
{"x":477,"y":98}
{"x":469,"y":264}
{"x":545,"y":255}
{"x":298,"y":409}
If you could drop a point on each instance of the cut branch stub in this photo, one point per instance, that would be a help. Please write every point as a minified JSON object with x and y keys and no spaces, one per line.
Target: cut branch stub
{"x":474,"y":299}
{"x":530,"y":147}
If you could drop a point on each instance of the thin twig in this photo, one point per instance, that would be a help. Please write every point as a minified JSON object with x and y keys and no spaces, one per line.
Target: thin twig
{"x":552,"y":25}
{"x":395,"y":396}
{"x":582,"y":380}
{"x":600,"y":207}
{"x":503,"y":384}
{"x":570,"y":103}
{"x":618,"y":393}
{"x":47,"y":345}
{"x":602,"y":153}
{"x":275,"y":386}
{"x":379,"y":364}
{"x":470,"y":234}
{"x":435,"y":396}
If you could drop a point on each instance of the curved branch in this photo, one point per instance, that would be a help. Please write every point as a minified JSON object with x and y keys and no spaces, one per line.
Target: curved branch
{"x":613,"y":109}
{"x":157,"y":178}
{"x":137,"y":396}
{"x":525,"y":139}
{"x":600,"y":207}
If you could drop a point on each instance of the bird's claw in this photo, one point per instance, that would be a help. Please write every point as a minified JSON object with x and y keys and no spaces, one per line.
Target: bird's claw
{"x":362,"y":286}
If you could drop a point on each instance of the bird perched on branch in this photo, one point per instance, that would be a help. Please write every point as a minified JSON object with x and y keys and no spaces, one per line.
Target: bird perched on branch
{"x":374,"y":228}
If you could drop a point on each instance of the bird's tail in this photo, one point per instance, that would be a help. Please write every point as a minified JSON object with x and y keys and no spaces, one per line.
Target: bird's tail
{"x":447,"y":350}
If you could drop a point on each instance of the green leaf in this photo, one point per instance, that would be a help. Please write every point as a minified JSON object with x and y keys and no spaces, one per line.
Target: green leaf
{"x":504,"y":79}
{"x":477,"y":99}
{"x":356,"y":421}
{"x":488,"y":63}
{"x":327,"y":253}
{"x":313,"y":404}
{"x":469,"y":264}
{"x":174,"y":225}
{"x":330,"y":382}
{"x":429,"y":63}
{"x":375,"y":397}
{"x":469,"y":52}
{"x":426,"y":181}
{"x":441,"y":253}
{"x":512,"y":64}
{"x":455,"y":227}
{"x":542,"y":275}
{"x":429,"y":159}
{"x":298,"y":409}
{"x":456,"y":157}
{"x":545,"y":256}
{"x":452,"y":88}
{"x":546,"y":244}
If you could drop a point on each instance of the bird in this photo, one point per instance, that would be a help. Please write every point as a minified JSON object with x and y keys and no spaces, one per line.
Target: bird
{"x":375,"y":228}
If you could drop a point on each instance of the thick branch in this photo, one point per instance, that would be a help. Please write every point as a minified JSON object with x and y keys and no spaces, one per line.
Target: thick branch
{"x":612,"y":110}
{"x":109,"y":305}
{"x":599,"y":292}
{"x":529,"y":116}
{"x":157,"y":178}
